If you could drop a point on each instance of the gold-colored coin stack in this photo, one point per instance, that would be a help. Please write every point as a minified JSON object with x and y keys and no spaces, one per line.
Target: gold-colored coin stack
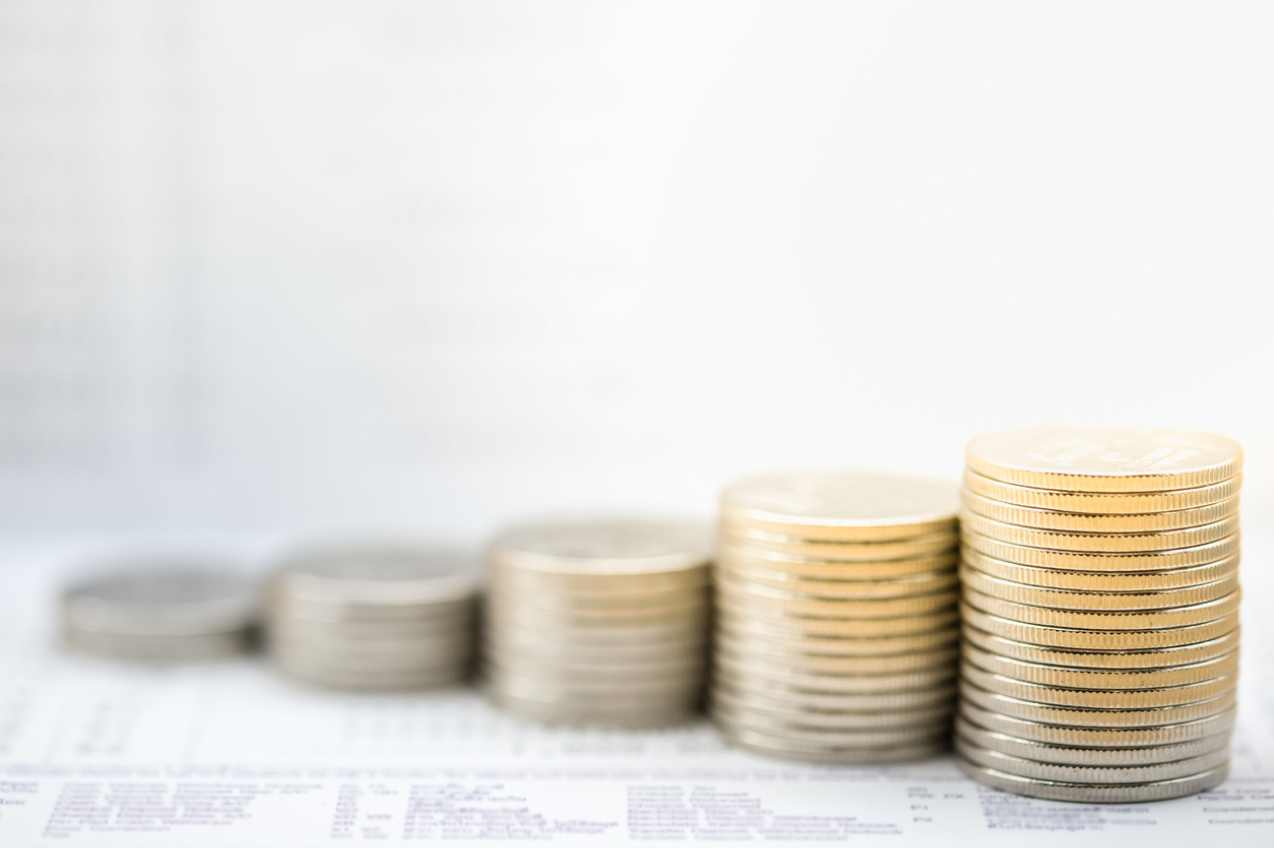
{"x":599,"y":622}
{"x":1101,"y":596}
{"x":837,"y":629}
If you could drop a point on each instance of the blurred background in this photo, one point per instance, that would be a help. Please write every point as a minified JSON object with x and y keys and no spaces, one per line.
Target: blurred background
{"x":279,"y":266}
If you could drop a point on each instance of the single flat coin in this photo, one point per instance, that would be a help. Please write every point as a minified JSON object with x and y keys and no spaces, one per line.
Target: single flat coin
{"x":1099,"y":737}
{"x":738,"y":667}
{"x":376,"y":575}
{"x":753,"y":542}
{"x":784,"y":715}
{"x":1129,"y":661}
{"x":1101,"y":581}
{"x":1117,"y":543}
{"x":738,"y":590}
{"x":797,"y":624}
{"x":1094,"y":793}
{"x":1083,"y":717}
{"x":822,"y":569}
{"x":805,"y":697}
{"x":1166,"y":619}
{"x":593,"y":715}
{"x":1126,"y":641}
{"x":1099,"y":757}
{"x":770,"y":746}
{"x":841,"y":505}
{"x":925,"y":583}
{"x":159,"y":600}
{"x":1112,"y":562}
{"x":1102,"y":775}
{"x":1092,"y":601}
{"x":195,"y":647}
{"x":1078,"y":522}
{"x":604,"y":546}
{"x":1104,"y":459}
{"x":1093,"y":503}
{"x":1087,"y":678}
{"x":1100,"y":699}
{"x":756,"y":633}
{"x":821,"y":663}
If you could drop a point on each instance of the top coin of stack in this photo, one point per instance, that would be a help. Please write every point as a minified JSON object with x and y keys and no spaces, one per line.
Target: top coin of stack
{"x":375,"y":617}
{"x":169,"y":610}
{"x":837,"y":630}
{"x":599,"y":621}
{"x":1100,"y":573}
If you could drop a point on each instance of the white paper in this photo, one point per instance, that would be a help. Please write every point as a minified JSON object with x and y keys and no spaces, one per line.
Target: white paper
{"x":99,"y":754}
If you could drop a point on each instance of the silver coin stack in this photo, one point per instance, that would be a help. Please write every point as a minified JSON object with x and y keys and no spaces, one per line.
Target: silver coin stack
{"x":1100,"y":572}
{"x":837,"y":630}
{"x":375,"y":618}
{"x":598,"y":622}
{"x":162,"y":611}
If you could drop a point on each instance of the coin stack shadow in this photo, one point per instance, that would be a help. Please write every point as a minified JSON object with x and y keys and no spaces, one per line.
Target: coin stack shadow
{"x":375,"y":618}
{"x":837,"y":631}
{"x":598,"y":622}
{"x":162,"y":612}
{"x":1100,"y":573}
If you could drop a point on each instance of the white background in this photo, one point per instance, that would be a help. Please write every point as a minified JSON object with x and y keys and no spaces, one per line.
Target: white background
{"x":286,"y":266}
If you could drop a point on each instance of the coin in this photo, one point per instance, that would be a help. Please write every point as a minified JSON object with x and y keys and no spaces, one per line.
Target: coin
{"x":1104,"y":757}
{"x":642,"y":715}
{"x":1129,"y":601}
{"x":1104,"y":459}
{"x":841,"y":505}
{"x":1094,"y":503}
{"x":797,"y":623}
{"x":1008,"y":649}
{"x":187,"y":647}
{"x":924,"y":583}
{"x":757,"y":542}
{"x":811,"y":697}
{"x":1115,"y":562}
{"x":734,"y":589}
{"x":154,"y":599}
{"x":1101,"y":775}
{"x":833,"y":683}
{"x":1100,"y":737}
{"x":822,"y":569}
{"x":1150,"y":620}
{"x":604,"y":546}
{"x":1073,"y":522}
{"x":383,"y":576}
{"x":931,"y":716}
{"x":1118,"y":543}
{"x":1098,"y":581}
{"x":1092,"y":640}
{"x":842,"y":646}
{"x":1083,"y":678}
{"x":1100,"y":699}
{"x":1096,"y":794}
{"x":610,"y":605}
{"x":831,"y":754}
{"x":838,"y":664}
{"x":1083,"y":717}
{"x":730,"y":720}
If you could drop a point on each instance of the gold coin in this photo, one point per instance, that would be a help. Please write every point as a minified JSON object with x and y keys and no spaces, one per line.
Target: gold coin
{"x":741,"y":704}
{"x":1099,"y":737}
{"x":1067,"y":561}
{"x":1087,"y":678}
{"x":1089,"y":640}
{"x":1167,"y":619}
{"x":1094,"y":699}
{"x":1122,"y":543}
{"x":1104,"y":459}
{"x":802,"y":697}
{"x":1092,"y":503}
{"x":732,"y":590}
{"x":1075,"y":756}
{"x":1103,"y":581}
{"x":1081,"y":717}
{"x":835,"y":683}
{"x":924,"y":583}
{"x":1101,"y":775}
{"x":1010,"y":649}
{"x":822,"y":569}
{"x":842,"y":755}
{"x":834,"y":648}
{"x":841,"y":646}
{"x":822,"y":663}
{"x":767,"y":614}
{"x":1020,"y":593}
{"x":1116,"y":793}
{"x":748,"y":541}
{"x":1072,"y":522}
{"x":841,"y":505}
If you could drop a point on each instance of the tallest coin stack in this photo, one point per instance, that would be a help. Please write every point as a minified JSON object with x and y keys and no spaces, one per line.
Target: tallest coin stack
{"x":1100,"y":617}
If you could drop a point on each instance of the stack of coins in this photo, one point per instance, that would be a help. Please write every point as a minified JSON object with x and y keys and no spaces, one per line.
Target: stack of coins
{"x":1100,"y":572}
{"x":375,"y":618}
{"x":599,"y":622}
{"x":162,"y":612}
{"x":837,"y":630}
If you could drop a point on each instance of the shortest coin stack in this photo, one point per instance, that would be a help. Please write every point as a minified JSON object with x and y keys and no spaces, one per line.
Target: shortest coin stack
{"x":161,"y":612}
{"x":837,"y":631}
{"x":375,"y":618}
{"x":598,"y":622}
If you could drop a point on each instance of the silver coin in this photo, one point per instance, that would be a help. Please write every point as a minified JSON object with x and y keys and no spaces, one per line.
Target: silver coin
{"x":830,"y":720}
{"x":649,"y":603}
{"x":1092,"y":793}
{"x":349,"y":631}
{"x":769,"y":746}
{"x":366,"y":663}
{"x":1100,"y":699}
{"x":1111,"y":737}
{"x":836,"y":683}
{"x":374,"y":682}
{"x":742,"y":594}
{"x":1081,"y":678}
{"x":160,"y":649}
{"x":840,"y":646}
{"x":627,"y":663}
{"x":731,"y":721}
{"x":508,"y":612}
{"x":380,"y":575}
{"x":588,"y":715}
{"x":604,"y":546}
{"x":691,"y":672}
{"x":589,"y":654}
{"x":891,"y":664}
{"x":1080,"y":717}
{"x":604,"y":585}
{"x":568,"y":637}
{"x":153,"y":600}
{"x":1011,"y":649}
{"x":633,"y":695}
{"x":373,"y":654}
{"x":289,"y":605}
{"x":1106,"y":757}
{"x":1101,"y":775}
{"x":797,"y":697}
